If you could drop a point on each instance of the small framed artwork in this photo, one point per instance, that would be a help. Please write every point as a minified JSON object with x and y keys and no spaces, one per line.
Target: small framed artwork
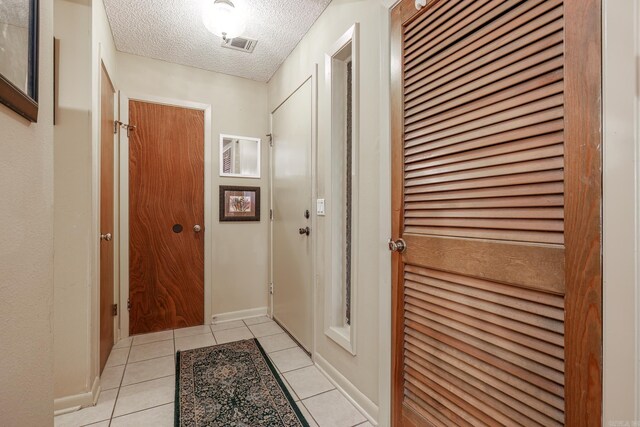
{"x":239,"y":203}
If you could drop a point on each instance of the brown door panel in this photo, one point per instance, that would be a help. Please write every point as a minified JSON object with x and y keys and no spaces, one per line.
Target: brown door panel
{"x":166,"y":201}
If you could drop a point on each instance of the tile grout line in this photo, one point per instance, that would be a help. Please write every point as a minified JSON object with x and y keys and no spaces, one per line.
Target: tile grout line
{"x":142,"y":410}
{"x":115,"y":401}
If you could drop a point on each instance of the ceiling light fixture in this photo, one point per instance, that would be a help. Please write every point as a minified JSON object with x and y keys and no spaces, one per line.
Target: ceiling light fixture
{"x":223,"y":18}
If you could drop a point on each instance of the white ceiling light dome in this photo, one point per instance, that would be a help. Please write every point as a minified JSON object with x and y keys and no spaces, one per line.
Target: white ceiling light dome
{"x":224,"y":18}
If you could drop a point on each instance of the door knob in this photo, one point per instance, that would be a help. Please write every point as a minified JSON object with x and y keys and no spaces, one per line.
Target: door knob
{"x":197,"y":228}
{"x":305,"y":230}
{"x":399,"y":245}
{"x":106,"y":237}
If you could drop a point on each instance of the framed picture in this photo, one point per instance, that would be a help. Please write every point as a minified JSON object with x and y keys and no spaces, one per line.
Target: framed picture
{"x":19,"y":30}
{"x":239,"y":203}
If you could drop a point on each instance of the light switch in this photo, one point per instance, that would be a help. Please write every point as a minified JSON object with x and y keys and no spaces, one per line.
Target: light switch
{"x":320,"y":207}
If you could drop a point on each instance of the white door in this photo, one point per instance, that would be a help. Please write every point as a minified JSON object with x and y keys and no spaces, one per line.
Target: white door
{"x":292,"y":242}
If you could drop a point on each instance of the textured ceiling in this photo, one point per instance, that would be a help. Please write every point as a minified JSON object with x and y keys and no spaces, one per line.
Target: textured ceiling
{"x":172,"y":30}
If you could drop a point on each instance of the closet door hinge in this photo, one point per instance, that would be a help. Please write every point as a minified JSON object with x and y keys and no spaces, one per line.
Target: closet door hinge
{"x":270,"y":136}
{"x":271,"y":214}
{"x":270,"y":288}
{"x":129,"y":305}
{"x":116,"y":124}
{"x":114,"y":309}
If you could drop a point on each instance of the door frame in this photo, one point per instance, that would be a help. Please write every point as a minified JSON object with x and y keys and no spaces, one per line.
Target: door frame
{"x":115,"y":201}
{"x":583,"y":255}
{"x":313,"y":77}
{"x":124,"y":200}
{"x":93,"y":314}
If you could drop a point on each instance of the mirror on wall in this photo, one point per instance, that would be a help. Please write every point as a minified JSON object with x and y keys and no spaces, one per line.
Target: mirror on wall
{"x":19,"y":56}
{"x":239,"y":156}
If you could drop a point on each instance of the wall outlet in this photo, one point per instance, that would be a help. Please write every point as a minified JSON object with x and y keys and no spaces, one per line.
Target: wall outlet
{"x":320,"y":207}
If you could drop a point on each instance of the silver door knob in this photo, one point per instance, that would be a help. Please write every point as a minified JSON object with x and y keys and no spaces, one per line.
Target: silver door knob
{"x":197,"y":228}
{"x":399,"y":245}
{"x":106,"y":237}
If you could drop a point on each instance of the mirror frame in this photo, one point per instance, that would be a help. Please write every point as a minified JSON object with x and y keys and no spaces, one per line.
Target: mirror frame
{"x":26,"y":104}
{"x":258,"y":175}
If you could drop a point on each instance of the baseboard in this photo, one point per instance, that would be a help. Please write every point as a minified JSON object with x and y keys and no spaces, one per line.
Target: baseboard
{"x":351,"y":392}
{"x":237,"y":315}
{"x":64,"y":405}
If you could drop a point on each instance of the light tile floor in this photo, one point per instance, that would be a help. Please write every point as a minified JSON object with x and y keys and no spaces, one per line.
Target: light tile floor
{"x":138,"y":382}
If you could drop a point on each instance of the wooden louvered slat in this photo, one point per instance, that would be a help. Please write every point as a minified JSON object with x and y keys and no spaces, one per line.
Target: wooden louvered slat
{"x":525,"y":96}
{"x":479,"y":161}
{"x":463,"y":407}
{"x":497,"y":223}
{"x":542,"y":390}
{"x":492,"y":36}
{"x":440,"y":27}
{"x":548,"y":375}
{"x":502,"y":57}
{"x":418,"y":51}
{"x":536,"y":315}
{"x":435,"y":13}
{"x":542,"y":132}
{"x":541,"y":63}
{"x":547,"y":213}
{"x":425,"y":411}
{"x":544,"y":403}
{"x":440,"y":131}
{"x":509,"y":170}
{"x":474,"y":92}
{"x":541,"y":179}
{"x":485,"y":152}
{"x":492,"y":234}
{"x":492,"y":397}
{"x":517,"y":332}
{"x":504,"y":51}
{"x":507,"y":23}
{"x":535,"y":54}
{"x":432,"y":116}
{"x":475,"y":16}
{"x":443,"y":405}
{"x":462,"y":391}
{"x":431,"y":142}
{"x":510,"y":396}
{"x":491,"y":404}
{"x":501,"y":202}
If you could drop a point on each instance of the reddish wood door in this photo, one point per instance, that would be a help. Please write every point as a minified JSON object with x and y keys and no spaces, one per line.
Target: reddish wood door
{"x":166,"y":207}
{"x":497,"y":315}
{"x":107,"y":93}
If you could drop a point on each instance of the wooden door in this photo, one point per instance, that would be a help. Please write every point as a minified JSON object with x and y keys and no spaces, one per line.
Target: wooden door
{"x":166,"y":217}
{"x":291,"y":169}
{"x":497,"y":316}
{"x":107,"y":94}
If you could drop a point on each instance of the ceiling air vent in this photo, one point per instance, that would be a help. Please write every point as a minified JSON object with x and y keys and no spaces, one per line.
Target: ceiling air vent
{"x":240,"y":43}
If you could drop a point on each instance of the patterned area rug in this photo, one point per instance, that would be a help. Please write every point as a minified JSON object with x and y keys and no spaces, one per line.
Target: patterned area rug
{"x":232,"y":384}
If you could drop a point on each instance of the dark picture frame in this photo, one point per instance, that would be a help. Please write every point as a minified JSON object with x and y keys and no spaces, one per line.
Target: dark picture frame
{"x":26,"y":104}
{"x":239,"y":204}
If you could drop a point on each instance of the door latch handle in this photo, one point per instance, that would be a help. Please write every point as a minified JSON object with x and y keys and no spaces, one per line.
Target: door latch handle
{"x":399,"y":245}
{"x":305,"y":230}
{"x":106,"y":237}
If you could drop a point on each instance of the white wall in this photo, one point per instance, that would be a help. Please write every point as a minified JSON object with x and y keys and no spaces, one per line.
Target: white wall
{"x":620,"y":215}
{"x":26,"y":253}
{"x":239,"y":107}
{"x":72,"y":189}
{"x":361,"y":370}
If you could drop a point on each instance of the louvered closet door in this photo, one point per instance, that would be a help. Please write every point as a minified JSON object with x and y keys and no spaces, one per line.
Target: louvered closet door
{"x":496,"y":192}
